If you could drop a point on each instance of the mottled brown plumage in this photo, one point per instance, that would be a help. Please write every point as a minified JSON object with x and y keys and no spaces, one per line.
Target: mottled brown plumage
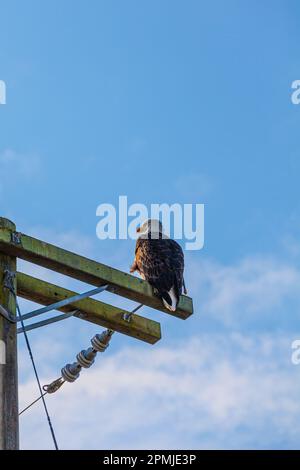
{"x":160,"y":261}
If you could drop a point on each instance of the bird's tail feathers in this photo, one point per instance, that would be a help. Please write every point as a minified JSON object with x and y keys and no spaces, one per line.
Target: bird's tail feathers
{"x":170,"y":299}
{"x":184,"y":288}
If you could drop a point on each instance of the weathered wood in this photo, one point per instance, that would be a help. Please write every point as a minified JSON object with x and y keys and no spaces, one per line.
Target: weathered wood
{"x":89,"y":271}
{"x":91,"y":310}
{"x":9,"y":435}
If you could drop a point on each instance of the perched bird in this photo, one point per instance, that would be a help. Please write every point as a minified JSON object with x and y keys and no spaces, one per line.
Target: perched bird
{"x":160,"y":261}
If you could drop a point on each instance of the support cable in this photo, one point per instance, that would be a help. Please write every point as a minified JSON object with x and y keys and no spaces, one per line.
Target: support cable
{"x":85,"y":359}
{"x":38,"y":380}
{"x":9,"y":284}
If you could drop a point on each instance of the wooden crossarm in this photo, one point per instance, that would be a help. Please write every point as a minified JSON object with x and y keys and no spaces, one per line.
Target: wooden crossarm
{"x":92,"y":310}
{"x":86,"y":270}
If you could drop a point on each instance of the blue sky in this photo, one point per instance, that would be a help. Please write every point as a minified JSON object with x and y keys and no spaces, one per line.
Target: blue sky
{"x":164,"y":102}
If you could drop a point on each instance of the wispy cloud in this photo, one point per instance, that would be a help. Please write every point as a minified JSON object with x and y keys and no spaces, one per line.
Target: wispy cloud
{"x":210,"y":392}
{"x":255,"y":285}
{"x":218,"y":390}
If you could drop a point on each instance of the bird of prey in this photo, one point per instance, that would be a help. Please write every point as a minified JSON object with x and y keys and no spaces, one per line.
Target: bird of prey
{"x":160,"y":261}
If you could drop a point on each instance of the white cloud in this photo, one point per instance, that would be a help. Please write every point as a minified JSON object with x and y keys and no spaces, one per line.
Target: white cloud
{"x":253,"y":286}
{"x":217,"y":390}
{"x":209,"y":392}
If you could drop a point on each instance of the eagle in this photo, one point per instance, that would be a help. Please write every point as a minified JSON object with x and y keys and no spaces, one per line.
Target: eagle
{"x":160,"y":261}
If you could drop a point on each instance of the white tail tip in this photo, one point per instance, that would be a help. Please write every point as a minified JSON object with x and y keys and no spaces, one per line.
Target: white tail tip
{"x":172,"y":307}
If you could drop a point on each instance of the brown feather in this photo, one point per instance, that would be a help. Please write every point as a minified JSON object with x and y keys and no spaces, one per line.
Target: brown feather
{"x":161,"y":263}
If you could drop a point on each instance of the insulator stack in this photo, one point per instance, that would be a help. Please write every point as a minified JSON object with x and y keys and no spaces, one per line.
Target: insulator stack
{"x":71,"y":372}
{"x":101,"y":342}
{"x":85,"y":359}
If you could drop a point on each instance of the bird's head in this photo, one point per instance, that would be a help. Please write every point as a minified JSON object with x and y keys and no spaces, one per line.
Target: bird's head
{"x":151,"y":228}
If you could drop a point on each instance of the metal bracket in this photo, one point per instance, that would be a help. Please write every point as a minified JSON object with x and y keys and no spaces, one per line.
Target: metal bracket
{"x":8,"y":316}
{"x":16,"y":238}
{"x":39,"y":324}
{"x":63,"y":303}
{"x":56,"y":306}
{"x":9,"y":280}
{"x":8,"y":283}
{"x":127,"y":316}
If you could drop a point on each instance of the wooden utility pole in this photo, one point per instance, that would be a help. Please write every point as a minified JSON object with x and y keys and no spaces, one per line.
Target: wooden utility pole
{"x":9,"y":429}
{"x":15,"y":245}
